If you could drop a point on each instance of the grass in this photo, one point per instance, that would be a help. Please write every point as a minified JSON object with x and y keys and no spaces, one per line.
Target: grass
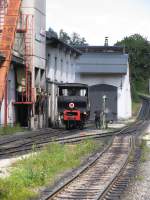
{"x":145,"y":151}
{"x":9,"y":130}
{"x":27,"y":175}
{"x":139,"y":178}
{"x":135,"y":108}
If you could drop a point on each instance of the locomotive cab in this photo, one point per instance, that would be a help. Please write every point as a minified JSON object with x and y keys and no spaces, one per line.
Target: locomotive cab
{"x":73,"y":105}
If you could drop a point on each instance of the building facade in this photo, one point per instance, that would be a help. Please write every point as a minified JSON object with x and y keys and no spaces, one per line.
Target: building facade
{"x":26,"y":83}
{"x":60,"y":68}
{"x":106,"y":70}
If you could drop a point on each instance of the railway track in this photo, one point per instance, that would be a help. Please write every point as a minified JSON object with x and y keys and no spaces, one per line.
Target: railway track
{"x":9,"y":149}
{"x":93,"y":181}
{"x":19,"y":147}
{"x":22,"y":144}
{"x":108,"y":175}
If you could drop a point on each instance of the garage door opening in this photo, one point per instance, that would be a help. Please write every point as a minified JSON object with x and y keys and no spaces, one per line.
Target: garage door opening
{"x":96,"y":93}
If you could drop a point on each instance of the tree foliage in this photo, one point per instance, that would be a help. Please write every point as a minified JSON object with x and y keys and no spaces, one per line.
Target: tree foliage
{"x":74,"y":39}
{"x":138,"y":48}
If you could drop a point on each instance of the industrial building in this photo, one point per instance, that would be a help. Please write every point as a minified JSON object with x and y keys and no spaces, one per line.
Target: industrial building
{"x":106,"y":70}
{"x":22,"y":68}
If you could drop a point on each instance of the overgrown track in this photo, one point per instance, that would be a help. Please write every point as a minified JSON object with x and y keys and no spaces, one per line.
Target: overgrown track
{"x":40,"y":139}
{"x":94,"y":180}
{"x":19,"y":147}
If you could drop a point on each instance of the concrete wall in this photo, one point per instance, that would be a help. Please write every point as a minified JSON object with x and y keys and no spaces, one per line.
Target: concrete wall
{"x":11,"y":98}
{"x":60,"y":65}
{"x":37,"y":8}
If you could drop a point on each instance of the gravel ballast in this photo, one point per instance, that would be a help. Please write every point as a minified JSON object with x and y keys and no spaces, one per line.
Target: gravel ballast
{"x":139,"y":188}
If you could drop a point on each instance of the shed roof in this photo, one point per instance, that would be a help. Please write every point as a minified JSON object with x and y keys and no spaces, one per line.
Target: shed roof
{"x":101,"y":49}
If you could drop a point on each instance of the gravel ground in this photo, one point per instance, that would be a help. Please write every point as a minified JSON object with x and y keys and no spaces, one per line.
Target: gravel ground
{"x":139,"y":188}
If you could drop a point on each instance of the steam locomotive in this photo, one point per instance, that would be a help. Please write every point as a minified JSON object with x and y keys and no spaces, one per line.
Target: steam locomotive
{"x":73,"y":105}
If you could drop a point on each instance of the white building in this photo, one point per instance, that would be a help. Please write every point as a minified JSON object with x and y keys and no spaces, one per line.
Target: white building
{"x":61,"y":67}
{"x":106,"y":70}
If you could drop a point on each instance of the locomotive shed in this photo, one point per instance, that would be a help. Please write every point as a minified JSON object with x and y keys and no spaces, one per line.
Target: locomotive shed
{"x":106,"y":70}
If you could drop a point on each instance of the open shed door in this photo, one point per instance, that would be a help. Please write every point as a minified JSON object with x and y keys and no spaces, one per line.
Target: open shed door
{"x":96,"y":93}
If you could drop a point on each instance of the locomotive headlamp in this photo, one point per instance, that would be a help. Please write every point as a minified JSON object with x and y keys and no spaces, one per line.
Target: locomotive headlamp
{"x":84,"y":113}
{"x":71,"y":105}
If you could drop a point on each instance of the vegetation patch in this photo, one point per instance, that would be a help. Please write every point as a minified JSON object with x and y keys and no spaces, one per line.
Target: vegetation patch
{"x":42,"y":169}
{"x":135,"y":108}
{"x":139,"y":178}
{"x":145,"y":151}
{"x":8,"y":130}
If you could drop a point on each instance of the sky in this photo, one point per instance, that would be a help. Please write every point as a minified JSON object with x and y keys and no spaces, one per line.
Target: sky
{"x":96,"y":19}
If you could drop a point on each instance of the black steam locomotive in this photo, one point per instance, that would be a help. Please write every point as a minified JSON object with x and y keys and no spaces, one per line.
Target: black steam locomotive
{"x":73,"y":104}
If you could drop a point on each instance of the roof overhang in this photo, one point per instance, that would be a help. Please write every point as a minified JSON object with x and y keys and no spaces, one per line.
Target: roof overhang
{"x":17,"y":60}
{"x":68,"y":85}
{"x":120,"y":69}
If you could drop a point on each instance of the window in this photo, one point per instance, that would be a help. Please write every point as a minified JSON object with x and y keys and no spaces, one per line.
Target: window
{"x":67,"y":70}
{"x":61,"y":69}
{"x":55,"y":68}
{"x":48,"y":63}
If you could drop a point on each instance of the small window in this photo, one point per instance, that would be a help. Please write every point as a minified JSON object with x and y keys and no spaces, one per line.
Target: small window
{"x":55,"y":68}
{"x":61,"y":68}
{"x":42,"y":74}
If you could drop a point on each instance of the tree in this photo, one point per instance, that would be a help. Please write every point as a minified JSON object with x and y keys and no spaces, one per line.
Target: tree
{"x":64,"y":36}
{"x":52,"y":33}
{"x":75,"y":39}
{"x":138,"y":48}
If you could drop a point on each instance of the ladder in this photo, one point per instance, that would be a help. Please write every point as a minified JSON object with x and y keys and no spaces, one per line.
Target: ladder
{"x":9,"y":20}
{"x":28,"y":56}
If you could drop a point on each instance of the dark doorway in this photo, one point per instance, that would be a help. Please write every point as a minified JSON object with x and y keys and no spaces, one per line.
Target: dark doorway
{"x":22,"y":115}
{"x":96,"y":93}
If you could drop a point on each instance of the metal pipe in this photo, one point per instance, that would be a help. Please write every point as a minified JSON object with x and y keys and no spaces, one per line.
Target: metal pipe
{"x":5,"y":105}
